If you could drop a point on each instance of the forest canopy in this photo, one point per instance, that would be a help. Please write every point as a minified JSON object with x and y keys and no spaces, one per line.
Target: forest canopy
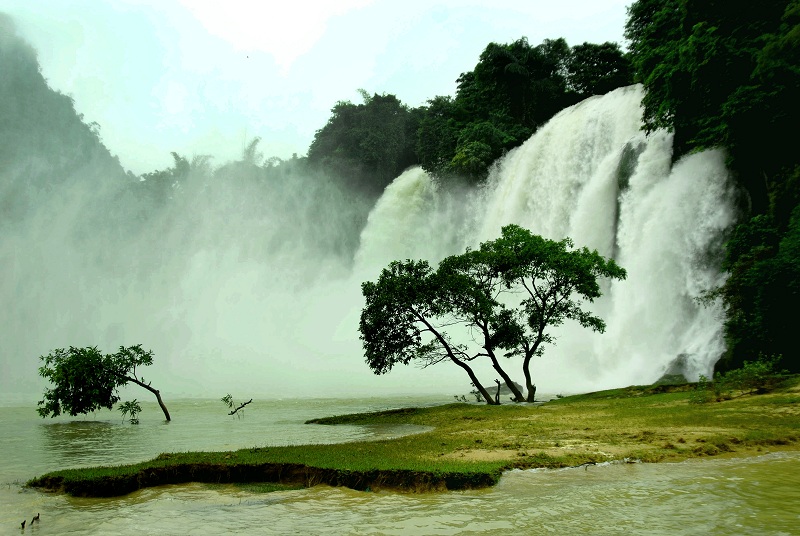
{"x":514,"y":89}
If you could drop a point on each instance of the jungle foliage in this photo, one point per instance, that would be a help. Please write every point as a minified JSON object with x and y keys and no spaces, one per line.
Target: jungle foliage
{"x":368,"y":144}
{"x":513,"y":90}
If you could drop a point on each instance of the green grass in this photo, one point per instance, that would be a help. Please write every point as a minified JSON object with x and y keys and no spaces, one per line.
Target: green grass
{"x":470,"y":445}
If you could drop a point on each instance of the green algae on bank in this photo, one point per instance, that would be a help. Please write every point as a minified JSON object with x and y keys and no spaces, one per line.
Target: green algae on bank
{"x":469,"y":446}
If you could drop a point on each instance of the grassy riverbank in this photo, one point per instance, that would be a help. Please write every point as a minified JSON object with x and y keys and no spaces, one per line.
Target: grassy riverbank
{"x":471,"y":445}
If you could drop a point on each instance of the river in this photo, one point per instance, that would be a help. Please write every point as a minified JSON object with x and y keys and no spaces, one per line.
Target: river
{"x":756,"y":495}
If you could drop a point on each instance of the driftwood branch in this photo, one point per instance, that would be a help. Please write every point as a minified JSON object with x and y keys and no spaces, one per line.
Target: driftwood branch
{"x":233,"y":412}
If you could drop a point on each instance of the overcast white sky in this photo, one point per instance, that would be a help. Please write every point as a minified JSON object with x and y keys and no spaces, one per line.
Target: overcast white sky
{"x":202,"y":76}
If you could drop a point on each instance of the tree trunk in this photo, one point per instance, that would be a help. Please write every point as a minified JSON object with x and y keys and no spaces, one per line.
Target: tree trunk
{"x":155,"y":392}
{"x":517,"y":394}
{"x":456,"y":360}
{"x":481,"y":389}
{"x":528,"y":383}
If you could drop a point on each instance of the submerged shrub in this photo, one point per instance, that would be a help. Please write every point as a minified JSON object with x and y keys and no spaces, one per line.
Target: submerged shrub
{"x":130,"y":408}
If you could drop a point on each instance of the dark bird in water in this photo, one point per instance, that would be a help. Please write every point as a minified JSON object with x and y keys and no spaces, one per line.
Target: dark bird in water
{"x":35,"y":518}
{"x":23,"y":523}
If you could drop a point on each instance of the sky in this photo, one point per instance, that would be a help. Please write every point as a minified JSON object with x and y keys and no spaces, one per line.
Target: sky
{"x":205,"y":77}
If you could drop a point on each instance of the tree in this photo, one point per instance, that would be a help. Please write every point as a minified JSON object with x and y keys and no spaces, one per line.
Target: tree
{"x":597,"y":69}
{"x":367,"y":144}
{"x":501,"y":299}
{"x":551,"y":283}
{"x":132,"y":408}
{"x":404,"y":318}
{"x":437,"y":135}
{"x":514,"y":89}
{"x":763,"y":284}
{"x":85,"y":380}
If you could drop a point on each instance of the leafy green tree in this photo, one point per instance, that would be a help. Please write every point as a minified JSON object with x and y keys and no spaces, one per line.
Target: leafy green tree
{"x":654,"y":31}
{"x":548,"y":283}
{"x":513,"y":90}
{"x":505,"y":295}
{"x":763,"y":284}
{"x":405,"y":318}
{"x":84,"y":380}
{"x":493,"y":112}
{"x":368,"y":144}
{"x":712,"y":70}
{"x":597,"y":69}
{"x":437,"y":136}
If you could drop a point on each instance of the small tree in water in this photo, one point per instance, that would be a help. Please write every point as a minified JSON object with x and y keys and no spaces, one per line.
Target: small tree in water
{"x":132,"y":408}
{"x":84,"y":380}
{"x":228,"y":401}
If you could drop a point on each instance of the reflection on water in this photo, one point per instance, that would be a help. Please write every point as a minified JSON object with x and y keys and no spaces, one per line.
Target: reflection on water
{"x":713,"y":496}
{"x":84,"y":442}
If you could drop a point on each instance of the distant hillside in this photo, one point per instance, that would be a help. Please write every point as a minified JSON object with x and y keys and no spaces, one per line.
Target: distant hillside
{"x":44,"y":142}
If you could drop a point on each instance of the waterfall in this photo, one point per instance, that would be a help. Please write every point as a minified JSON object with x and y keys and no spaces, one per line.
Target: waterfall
{"x":256,"y":291}
{"x":591,"y":174}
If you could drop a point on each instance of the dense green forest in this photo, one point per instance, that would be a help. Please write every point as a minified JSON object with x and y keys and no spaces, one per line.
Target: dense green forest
{"x":513,"y":89}
{"x":716,"y":74}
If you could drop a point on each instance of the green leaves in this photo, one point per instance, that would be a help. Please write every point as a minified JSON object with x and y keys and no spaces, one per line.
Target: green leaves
{"x":389,"y":326}
{"x":127,"y":359}
{"x":369,"y":144}
{"x":130,"y":408}
{"x":84,"y":380}
{"x":514,"y":89}
{"x":555,"y":280}
{"x":761,"y":290}
{"x":597,"y":69}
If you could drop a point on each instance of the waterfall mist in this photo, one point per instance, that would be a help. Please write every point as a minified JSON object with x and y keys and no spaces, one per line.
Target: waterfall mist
{"x":253,"y":288}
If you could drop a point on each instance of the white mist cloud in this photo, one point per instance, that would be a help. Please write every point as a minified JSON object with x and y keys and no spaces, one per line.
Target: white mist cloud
{"x":286,"y":31}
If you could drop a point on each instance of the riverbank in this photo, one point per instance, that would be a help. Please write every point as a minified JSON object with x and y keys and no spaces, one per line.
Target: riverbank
{"x":469,"y":446}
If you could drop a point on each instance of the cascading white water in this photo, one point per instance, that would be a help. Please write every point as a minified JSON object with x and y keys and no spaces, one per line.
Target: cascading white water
{"x":591,"y":174}
{"x":414,"y":219}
